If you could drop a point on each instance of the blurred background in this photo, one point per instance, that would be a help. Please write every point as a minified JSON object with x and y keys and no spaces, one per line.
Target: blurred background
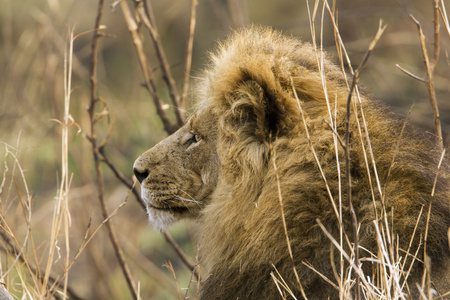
{"x":33,"y":39}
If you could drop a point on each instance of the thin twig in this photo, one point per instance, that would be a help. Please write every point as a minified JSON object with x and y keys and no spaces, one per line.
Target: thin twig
{"x":169,"y":267}
{"x":346,"y":256}
{"x":410,"y":74}
{"x":444,"y":17}
{"x":146,"y":70}
{"x":436,"y":32}
{"x":95,"y":150}
{"x":433,"y":190}
{"x":311,"y":267}
{"x":347,"y":154}
{"x":121,"y":177}
{"x":281,"y":282}
{"x":430,"y":66}
{"x":188,"y":63}
{"x":146,"y":14}
{"x":192,"y":279}
{"x":283,"y":218}
{"x":181,"y":254}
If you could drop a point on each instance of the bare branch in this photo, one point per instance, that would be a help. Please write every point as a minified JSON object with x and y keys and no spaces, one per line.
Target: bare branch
{"x":148,"y":75}
{"x":347,"y":154}
{"x":181,"y":254}
{"x":146,"y":14}
{"x":409,"y":73}
{"x":429,"y":82}
{"x":188,"y":63}
{"x":95,"y":150}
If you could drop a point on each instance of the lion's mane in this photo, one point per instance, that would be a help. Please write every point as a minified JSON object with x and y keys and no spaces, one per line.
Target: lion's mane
{"x":264,"y":87}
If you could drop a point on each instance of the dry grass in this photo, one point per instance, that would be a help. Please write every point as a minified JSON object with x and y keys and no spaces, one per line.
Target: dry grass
{"x":390,"y":268}
{"x":57,"y":240}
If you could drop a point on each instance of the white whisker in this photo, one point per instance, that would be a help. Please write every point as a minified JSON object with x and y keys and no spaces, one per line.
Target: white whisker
{"x":187,"y":200}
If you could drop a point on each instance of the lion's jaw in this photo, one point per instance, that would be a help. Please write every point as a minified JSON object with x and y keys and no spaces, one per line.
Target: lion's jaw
{"x":160,"y":220}
{"x":179,"y":174}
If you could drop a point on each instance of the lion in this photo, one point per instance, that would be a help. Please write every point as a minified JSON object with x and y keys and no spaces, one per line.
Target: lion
{"x":261,"y":162}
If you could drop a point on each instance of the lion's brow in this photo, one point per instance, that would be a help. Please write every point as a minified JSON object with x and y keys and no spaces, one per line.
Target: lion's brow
{"x":191,"y":119}
{"x":194,"y":122}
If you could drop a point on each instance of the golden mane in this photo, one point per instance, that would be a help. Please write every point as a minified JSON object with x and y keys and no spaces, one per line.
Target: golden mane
{"x":250,"y":88}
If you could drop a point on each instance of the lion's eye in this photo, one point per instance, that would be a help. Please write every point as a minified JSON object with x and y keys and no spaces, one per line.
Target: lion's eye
{"x":194,"y":139}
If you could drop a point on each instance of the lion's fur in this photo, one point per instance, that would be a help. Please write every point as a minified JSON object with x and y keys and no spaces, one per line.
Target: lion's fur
{"x":261,"y":145}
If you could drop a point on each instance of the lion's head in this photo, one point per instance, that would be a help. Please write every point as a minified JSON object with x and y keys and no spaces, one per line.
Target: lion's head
{"x":180,"y":173}
{"x":227,"y":139}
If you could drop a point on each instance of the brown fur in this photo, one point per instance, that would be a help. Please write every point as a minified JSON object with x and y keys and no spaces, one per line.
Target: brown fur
{"x":247,"y":120}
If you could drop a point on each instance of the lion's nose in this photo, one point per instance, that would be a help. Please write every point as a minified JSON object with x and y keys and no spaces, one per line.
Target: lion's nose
{"x":140,"y":175}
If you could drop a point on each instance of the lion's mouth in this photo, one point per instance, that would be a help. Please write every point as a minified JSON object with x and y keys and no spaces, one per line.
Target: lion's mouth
{"x":162,"y":200}
{"x":176,"y":209}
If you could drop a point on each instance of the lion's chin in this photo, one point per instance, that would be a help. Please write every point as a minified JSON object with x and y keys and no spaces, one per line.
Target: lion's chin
{"x":160,"y":220}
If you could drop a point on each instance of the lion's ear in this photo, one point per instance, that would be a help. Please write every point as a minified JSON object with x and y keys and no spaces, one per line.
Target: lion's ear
{"x":253,"y":112}
{"x":249,"y":120}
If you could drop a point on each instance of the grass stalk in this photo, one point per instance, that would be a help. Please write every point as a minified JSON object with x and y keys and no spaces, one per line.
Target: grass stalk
{"x":283,"y":218}
{"x":61,"y":214}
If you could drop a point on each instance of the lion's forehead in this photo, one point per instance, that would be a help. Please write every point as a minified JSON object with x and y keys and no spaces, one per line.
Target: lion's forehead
{"x":204,"y":119}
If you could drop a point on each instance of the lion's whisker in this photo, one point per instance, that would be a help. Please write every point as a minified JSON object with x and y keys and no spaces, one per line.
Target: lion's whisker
{"x":191,"y":198}
{"x":187,"y":200}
